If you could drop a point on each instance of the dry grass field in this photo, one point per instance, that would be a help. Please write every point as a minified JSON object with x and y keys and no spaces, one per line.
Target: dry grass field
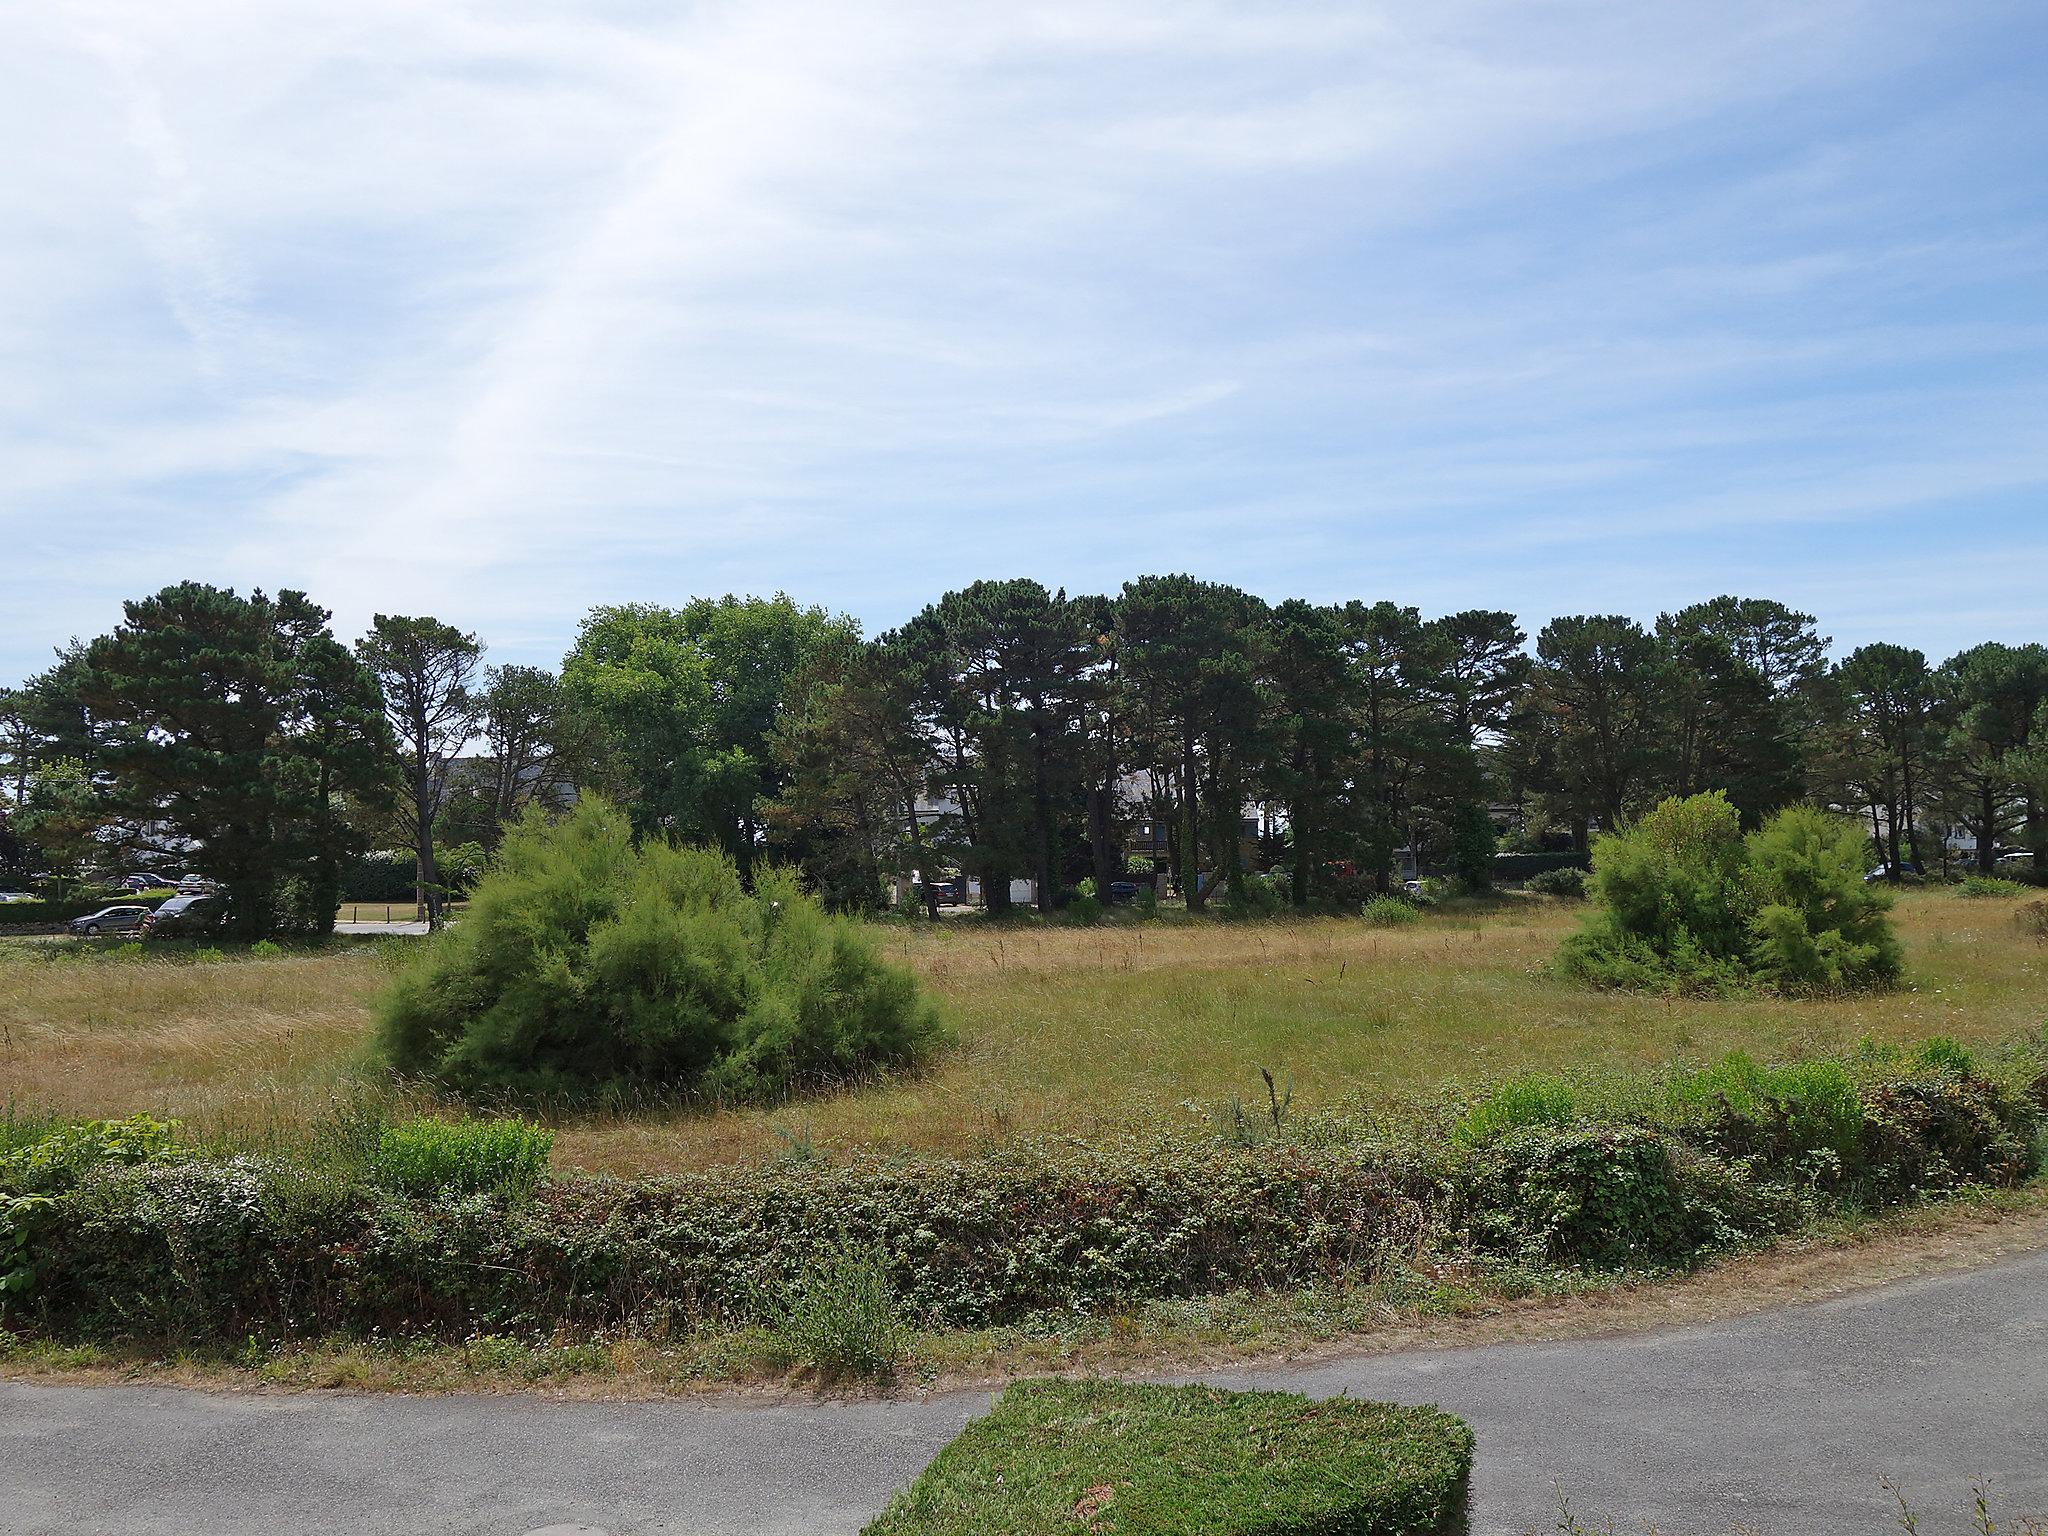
{"x":1060,"y":1029}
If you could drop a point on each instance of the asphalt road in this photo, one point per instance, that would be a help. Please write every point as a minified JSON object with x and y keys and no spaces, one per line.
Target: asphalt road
{"x":1784,"y":1420}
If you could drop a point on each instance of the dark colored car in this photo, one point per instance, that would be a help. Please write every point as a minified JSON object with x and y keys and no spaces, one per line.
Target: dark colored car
{"x":120,"y":919}
{"x":183,"y":916}
{"x":1123,"y":892}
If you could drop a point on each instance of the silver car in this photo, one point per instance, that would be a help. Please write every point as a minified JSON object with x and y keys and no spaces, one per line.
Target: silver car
{"x":109,"y":920}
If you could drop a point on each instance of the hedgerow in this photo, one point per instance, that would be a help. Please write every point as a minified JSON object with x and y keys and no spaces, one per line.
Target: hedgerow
{"x":166,"y":1243}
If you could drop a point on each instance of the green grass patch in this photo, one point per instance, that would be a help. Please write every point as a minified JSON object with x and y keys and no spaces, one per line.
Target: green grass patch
{"x":431,"y":1157}
{"x":1067,"y":1456}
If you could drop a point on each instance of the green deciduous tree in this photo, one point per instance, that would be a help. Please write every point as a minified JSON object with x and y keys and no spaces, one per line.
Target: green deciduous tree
{"x":686,"y":702}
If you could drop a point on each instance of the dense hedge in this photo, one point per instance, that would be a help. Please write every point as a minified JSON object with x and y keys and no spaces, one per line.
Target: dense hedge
{"x":1059,"y":1456}
{"x":1508,"y":868}
{"x":225,"y":1249}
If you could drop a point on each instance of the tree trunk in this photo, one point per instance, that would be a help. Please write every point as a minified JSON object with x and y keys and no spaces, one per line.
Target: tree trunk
{"x":427,"y":875}
{"x":1190,"y":827}
{"x":1041,"y":808}
{"x":1987,"y":830}
{"x":1100,"y":852}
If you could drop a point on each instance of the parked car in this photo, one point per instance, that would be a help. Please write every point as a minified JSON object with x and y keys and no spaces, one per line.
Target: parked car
{"x":1123,"y":892}
{"x":7,"y":896}
{"x":185,"y":915}
{"x":1907,"y":871}
{"x":147,"y":882}
{"x":117,"y":919}
{"x":946,"y":892}
{"x":196,"y":885}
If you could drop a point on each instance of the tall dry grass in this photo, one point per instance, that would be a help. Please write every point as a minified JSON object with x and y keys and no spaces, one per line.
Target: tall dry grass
{"x":1060,"y":1029}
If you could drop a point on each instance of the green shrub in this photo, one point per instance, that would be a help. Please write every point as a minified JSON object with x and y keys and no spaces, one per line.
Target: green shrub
{"x":1389,"y":912}
{"x":1256,"y":896}
{"x":1987,"y":886}
{"x":1566,"y":882}
{"x":1600,"y":1197}
{"x":50,"y":1157}
{"x":1782,"y":1114}
{"x":585,"y":962}
{"x":1516,"y":1104}
{"x":1084,"y":906}
{"x":1064,"y":1456}
{"x":840,"y":1316}
{"x":1687,"y":904}
{"x":428,"y":1157}
{"x":1946,"y":1055}
{"x":1819,"y":926}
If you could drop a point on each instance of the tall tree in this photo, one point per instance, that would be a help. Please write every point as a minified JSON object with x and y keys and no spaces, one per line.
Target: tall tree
{"x":1740,"y":675}
{"x":1188,"y":650}
{"x":1992,"y":697}
{"x":61,"y":813}
{"x":1889,"y":736}
{"x":1309,"y":754}
{"x":20,"y":743}
{"x":854,"y":767}
{"x":1601,"y":689}
{"x":339,"y":756}
{"x":537,"y":745}
{"x":210,"y":712}
{"x":1005,"y":669}
{"x":686,"y":701}
{"x":425,"y":669}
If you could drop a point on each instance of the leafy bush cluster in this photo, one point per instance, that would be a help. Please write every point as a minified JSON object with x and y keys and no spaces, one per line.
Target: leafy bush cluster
{"x":586,"y":962}
{"x":839,"y":1258}
{"x":1686,"y":902}
{"x":1060,"y":1456}
{"x":1389,"y":912}
{"x":1983,"y":886}
{"x":1568,"y":881}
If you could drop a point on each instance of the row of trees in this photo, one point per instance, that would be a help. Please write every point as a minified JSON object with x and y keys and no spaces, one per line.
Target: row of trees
{"x":237,"y":736}
{"x":1006,"y":731}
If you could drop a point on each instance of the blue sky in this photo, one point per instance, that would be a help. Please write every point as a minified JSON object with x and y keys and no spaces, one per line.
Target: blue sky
{"x":497,"y":311}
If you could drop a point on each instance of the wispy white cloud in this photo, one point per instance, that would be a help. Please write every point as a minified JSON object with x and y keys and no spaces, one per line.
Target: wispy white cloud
{"x":499,"y":309}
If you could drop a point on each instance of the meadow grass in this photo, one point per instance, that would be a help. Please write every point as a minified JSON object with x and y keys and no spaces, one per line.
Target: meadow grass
{"x":1079,"y":1030}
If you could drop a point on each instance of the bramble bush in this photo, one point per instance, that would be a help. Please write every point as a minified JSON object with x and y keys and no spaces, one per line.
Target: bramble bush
{"x":586,"y":963}
{"x":1568,"y":882}
{"x":1684,"y":902}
